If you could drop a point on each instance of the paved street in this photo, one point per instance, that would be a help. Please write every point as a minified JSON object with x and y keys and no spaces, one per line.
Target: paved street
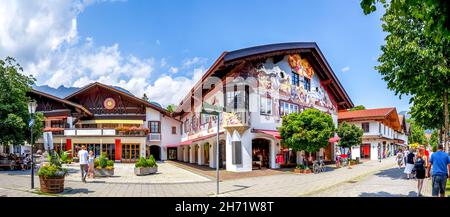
{"x":389,"y":182}
{"x":279,"y":185}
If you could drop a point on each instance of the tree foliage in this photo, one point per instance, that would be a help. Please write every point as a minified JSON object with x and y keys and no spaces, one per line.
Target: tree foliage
{"x":434,"y":139}
{"x":350,"y":135}
{"x":417,"y":134}
{"x":359,"y":107}
{"x":415,"y":59}
{"x":171,"y":108}
{"x":308,"y":131}
{"x":14,"y":115}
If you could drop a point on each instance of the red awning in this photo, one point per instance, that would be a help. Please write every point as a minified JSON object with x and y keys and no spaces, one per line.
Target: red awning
{"x":334,"y":139}
{"x":273,"y":133}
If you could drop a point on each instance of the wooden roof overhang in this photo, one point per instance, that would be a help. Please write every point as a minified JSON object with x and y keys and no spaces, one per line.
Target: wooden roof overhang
{"x":390,"y":119}
{"x":234,"y":60}
{"x":77,"y":107}
{"x":122,"y":94}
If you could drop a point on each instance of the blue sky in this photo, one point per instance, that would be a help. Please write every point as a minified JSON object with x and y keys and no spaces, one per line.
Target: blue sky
{"x":178,"y":39}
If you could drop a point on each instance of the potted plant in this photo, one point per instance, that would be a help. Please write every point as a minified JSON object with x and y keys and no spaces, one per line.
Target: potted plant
{"x":103,"y":167}
{"x":299,"y":168}
{"x":51,"y":176}
{"x":146,"y":166}
{"x":75,"y":159}
{"x":306,"y":170}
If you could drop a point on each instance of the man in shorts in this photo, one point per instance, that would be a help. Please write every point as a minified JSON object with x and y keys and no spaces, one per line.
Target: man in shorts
{"x":440,"y":165}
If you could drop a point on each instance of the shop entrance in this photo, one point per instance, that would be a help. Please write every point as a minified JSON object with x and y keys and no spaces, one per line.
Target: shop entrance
{"x":365,"y":151}
{"x":206,"y":153}
{"x":222,"y":154}
{"x":130,"y":152}
{"x":98,"y":149}
{"x":196,"y":154}
{"x":260,"y":153}
{"x":155,"y":150}
{"x":172,"y":153}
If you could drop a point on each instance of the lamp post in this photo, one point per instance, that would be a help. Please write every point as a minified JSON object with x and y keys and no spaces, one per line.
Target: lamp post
{"x":32,"y":109}
{"x":215,"y":113}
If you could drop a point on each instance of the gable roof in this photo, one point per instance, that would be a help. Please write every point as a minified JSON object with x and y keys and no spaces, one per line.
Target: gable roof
{"x":62,"y":101}
{"x":234,"y":58}
{"x":118,"y":91}
{"x":388,"y":116}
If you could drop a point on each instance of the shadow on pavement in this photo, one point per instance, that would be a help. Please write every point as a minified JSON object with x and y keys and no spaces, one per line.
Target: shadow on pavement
{"x":68,"y":191}
{"x":241,"y":187}
{"x":393,"y":173}
{"x":387,"y":194}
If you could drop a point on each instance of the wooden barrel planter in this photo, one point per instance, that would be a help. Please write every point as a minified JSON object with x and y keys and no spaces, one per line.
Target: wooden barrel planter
{"x":51,"y":185}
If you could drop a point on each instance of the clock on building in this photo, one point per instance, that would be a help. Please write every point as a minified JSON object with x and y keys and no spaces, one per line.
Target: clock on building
{"x":109,"y":103}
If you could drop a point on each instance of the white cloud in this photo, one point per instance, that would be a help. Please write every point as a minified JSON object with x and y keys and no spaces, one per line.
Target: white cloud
{"x":188,"y":63}
{"x":345,"y":69}
{"x":43,"y":37}
{"x":158,"y":42}
{"x":173,"y":70}
{"x":167,"y":90}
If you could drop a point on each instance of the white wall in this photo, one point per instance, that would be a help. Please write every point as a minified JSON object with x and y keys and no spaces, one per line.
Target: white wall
{"x":246,"y":142}
{"x":166,"y":134}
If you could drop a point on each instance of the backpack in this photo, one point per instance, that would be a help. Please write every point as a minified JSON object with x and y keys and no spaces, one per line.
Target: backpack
{"x":420,"y":164}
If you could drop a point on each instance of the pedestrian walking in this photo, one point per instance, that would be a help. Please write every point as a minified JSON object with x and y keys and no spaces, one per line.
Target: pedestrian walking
{"x":409,"y":165}
{"x":439,"y":166}
{"x":83,"y":158}
{"x":399,"y":159}
{"x":91,"y":159}
{"x":338,"y":158}
{"x":420,"y":165}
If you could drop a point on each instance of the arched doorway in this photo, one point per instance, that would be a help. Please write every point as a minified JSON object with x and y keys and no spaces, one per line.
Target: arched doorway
{"x":260,"y":153}
{"x":206,"y":153}
{"x":222,"y":154}
{"x":196,"y":154}
{"x":155,"y":150}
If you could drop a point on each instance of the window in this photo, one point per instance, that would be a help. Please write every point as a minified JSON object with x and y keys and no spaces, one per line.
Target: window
{"x":174,"y":130}
{"x":379,"y":128}
{"x":154,"y":126}
{"x":57,"y":124}
{"x":295,"y":79}
{"x":237,"y":152}
{"x":187,"y":127}
{"x":266,"y":106}
{"x":204,"y":119}
{"x":384,"y":129}
{"x":287,"y":108}
{"x":307,"y":84}
{"x":365,"y":127}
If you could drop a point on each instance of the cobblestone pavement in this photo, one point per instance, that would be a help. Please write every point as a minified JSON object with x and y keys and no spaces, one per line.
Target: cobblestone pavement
{"x":288,"y":184}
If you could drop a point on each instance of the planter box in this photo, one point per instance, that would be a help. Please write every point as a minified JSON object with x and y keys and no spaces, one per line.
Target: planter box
{"x":51,"y":185}
{"x":298,"y":170}
{"x":142,"y":171}
{"x":103,"y":172}
{"x":307,"y":171}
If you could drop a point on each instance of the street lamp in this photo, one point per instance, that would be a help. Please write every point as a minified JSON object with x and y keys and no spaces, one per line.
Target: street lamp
{"x":32,"y":109}
{"x":210,"y":111}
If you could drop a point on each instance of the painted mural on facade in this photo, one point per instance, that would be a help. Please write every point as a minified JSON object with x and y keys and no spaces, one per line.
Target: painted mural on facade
{"x":277,"y":81}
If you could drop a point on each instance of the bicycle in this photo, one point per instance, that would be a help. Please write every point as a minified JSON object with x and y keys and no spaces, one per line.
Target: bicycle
{"x":318,"y":166}
{"x":344,"y":162}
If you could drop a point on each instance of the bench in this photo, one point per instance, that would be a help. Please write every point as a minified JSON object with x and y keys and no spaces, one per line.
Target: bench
{"x":11,"y":164}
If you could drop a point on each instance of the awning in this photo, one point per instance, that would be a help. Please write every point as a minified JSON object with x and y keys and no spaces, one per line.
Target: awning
{"x":273,"y":133}
{"x":189,"y":142}
{"x":113,"y":122}
{"x":334,"y":139}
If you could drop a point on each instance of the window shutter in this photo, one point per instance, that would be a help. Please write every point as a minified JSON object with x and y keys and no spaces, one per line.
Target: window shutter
{"x":237,"y":152}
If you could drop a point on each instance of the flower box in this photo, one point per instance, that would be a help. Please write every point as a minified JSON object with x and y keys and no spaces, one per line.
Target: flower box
{"x":142,"y":171}
{"x":103,"y":172}
{"x":298,"y":170}
{"x":51,"y":185}
{"x":307,"y":171}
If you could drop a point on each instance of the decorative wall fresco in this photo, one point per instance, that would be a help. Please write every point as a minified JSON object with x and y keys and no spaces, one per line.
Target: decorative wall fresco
{"x":276,"y":81}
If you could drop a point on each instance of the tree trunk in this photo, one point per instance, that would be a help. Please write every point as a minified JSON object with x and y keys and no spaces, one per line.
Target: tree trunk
{"x":445,"y":138}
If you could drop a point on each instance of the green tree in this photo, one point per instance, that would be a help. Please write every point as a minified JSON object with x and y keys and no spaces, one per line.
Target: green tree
{"x":171,"y":108}
{"x":14,"y":115}
{"x":308,"y":131}
{"x":415,"y":59}
{"x":145,"y":97}
{"x":417,"y":134}
{"x":350,"y":135}
{"x":434,"y":140}
{"x":359,"y":107}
